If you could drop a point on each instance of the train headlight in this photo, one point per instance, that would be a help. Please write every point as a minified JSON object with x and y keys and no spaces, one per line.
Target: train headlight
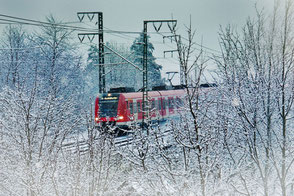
{"x":120,"y":118}
{"x":96,"y":119}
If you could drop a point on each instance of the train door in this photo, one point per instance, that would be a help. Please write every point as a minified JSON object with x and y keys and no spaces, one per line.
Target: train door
{"x":131,"y":110}
{"x":139,"y":109}
{"x":171,"y":106}
{"x":179,"y":103}
{"x":135,"y":110}
{"x":161,"y":107}
{"x":163,"y":100}
{"x":152,"y":106}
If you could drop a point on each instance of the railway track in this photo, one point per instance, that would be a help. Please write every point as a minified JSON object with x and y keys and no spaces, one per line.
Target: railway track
{"x":82,"y":146}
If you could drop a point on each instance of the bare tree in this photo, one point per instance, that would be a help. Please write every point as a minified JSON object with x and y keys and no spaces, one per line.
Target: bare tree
{"x":196,"y":133}
{"x":38,"y":118}
{"x":257,"y":69}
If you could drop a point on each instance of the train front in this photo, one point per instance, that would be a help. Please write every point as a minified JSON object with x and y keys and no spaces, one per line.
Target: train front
{"x":109,"y":110}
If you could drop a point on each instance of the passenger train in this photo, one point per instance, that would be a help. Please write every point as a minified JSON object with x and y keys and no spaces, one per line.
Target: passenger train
{"x":122,"y":108}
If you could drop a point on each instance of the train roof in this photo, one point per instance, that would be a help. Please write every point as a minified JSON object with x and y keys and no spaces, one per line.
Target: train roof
{"x":136,"y":95}
{"x":156,"y":93}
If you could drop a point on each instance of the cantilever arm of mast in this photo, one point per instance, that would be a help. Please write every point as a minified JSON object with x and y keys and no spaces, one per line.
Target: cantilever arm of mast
{"x":119,"y":55}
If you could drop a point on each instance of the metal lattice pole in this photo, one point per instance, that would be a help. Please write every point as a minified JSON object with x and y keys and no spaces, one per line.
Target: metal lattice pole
{"x":101,"y":54}
{"x":145,"y":75}
{"x":145,"y":108}
{"x":90,"y":15}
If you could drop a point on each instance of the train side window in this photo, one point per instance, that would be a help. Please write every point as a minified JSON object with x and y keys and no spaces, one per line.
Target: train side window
{"x":153,"y":104}
{"x":135,"y":107}
{"x":163,"y":104}
{"x":139,"y":107}
{"x":171,"y":103}
{"x":177,"y":102}
{"x":159,"y":104}
{"x":180,"y":102}
{"x":131,"y":108}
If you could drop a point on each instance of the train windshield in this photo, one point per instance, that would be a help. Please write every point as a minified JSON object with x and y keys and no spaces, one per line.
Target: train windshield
{"x":108,"y":106}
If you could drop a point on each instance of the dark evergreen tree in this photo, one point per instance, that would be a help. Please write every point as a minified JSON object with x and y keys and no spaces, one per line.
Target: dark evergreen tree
{"x":154,"y":76}
{"x":117,"y":73}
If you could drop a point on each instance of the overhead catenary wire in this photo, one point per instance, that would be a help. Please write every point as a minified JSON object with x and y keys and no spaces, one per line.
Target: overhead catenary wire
{"x":200,"y":45}
{"x":128,"y":35}
{"x":161,"y":33}
{"x":24,"y":21}
{"x":132,"y":38}
{"x":207,"y":49}
{"x":28,"y":48}
{"x":123,"y":58}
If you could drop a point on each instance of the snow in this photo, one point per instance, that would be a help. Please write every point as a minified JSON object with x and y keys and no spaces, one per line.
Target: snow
{"x":233,"y":139}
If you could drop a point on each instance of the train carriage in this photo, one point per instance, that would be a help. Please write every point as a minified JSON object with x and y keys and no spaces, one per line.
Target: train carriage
{"x":122,"y":109}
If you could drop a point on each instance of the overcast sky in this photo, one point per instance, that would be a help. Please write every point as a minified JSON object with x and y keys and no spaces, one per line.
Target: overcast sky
{"x":128,"y":15}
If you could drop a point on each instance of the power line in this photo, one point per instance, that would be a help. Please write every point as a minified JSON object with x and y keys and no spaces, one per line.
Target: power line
{"x":11,"y":22}
{"x":20,"y":48}
{"x":201,"y":45}
{"x":19,"y":20}
{"x":25,"y":21}
{"x":122,"y":36}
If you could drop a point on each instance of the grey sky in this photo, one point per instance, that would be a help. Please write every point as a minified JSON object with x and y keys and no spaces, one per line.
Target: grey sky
{"x":128,"y":15}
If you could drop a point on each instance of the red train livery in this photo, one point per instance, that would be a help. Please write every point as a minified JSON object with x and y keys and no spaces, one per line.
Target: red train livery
{"x":124,"y":109}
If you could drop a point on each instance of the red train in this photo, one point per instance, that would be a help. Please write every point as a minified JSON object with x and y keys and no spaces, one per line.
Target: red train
{"x":125,"y":108}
